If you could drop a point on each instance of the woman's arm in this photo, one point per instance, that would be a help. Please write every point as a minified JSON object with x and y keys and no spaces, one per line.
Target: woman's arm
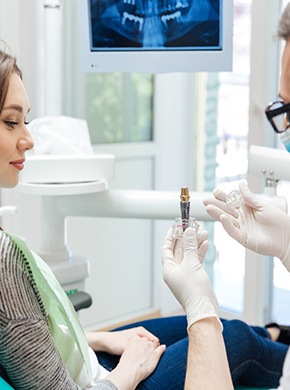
{"x":27,"y":351}
{"x":138,"y":361}
{"x":139,"y":349}
{"x":115,"y":342}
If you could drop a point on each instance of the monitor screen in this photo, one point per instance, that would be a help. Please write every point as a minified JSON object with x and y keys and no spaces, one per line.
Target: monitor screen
{"x":156,"y":36}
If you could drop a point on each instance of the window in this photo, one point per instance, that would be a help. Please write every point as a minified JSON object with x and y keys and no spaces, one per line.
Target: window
{"x":119,"y":107}
{"x":233,"y":102}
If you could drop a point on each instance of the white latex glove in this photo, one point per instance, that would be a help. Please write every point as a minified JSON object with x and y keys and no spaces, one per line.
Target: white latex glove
{"x":202,"y":246}
{"x":186,"y":277}
{"x":258,"y":224}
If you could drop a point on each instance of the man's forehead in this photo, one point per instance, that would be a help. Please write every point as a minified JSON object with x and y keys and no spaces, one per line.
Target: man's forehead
{"x":285,"y":73}
{"x":286,"y":52}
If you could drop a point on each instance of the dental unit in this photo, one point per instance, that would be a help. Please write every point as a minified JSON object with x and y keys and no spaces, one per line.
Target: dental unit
{"x":94,"y":199}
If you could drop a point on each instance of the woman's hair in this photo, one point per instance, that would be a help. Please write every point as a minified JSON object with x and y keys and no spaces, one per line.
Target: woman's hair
{"x":8,"y":66}
{"x":284,"y":23}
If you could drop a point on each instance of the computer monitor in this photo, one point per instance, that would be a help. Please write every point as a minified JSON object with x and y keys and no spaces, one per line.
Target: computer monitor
{"x":156,"y":36}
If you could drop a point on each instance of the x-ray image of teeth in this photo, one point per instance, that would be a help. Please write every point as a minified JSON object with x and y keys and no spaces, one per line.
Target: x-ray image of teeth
{"x":154,"y":24}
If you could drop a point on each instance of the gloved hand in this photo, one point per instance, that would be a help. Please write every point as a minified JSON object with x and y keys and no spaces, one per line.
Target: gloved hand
{"x":258,"y":224}
{"x":202,"y":246}
{"x":184,"y":274}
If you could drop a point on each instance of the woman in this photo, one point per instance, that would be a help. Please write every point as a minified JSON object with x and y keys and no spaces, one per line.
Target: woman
{"x":28,"y":355}
{"x":42,"y":343}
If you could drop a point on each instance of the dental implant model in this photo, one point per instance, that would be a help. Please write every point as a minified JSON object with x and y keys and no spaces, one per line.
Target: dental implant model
{"x":181,"y":224}
{"x":184,"y":204}
{"x":234,"y":199}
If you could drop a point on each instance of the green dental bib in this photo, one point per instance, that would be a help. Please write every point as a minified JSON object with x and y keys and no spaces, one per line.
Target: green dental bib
{"x":66,"y":330}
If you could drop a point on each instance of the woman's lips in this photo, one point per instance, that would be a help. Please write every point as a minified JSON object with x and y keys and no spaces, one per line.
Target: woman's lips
{"x":19,"y":164}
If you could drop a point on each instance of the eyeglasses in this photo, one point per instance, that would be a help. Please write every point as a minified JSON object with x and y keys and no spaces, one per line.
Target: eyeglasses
{"x":278,"y":114}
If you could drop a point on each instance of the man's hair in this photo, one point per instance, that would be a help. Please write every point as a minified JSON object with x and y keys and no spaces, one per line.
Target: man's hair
{"x":284,"y":23}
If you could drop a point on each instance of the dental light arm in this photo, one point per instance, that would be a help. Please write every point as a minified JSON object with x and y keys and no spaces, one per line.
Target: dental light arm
{"x":136,"y":204}
{"x":131,"y":204}
{"x":93,"y":199}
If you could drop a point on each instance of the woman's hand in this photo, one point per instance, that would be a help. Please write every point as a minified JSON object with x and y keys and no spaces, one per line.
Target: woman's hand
{"x":116,"y":342}
{"x":138,"y":361}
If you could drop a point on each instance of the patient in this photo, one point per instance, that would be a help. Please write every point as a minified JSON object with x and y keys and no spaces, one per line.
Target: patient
{"x":43,"y":345}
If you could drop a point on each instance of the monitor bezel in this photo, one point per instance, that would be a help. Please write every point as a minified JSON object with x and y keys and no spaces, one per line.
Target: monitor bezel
{"x":157,"y":61}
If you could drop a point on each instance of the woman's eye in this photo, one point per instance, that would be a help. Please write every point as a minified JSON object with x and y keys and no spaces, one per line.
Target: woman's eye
{"x":11,"y":124}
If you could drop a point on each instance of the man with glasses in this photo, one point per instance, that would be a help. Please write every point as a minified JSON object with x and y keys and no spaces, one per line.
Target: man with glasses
{"x":278,"y":114}
{"x":258,"y":224}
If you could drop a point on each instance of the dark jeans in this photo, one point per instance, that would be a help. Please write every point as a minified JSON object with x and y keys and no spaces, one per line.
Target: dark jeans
{"x":254,"y":359}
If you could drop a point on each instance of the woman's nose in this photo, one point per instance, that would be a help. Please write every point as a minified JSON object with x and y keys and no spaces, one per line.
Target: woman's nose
{"x":25,"y":142}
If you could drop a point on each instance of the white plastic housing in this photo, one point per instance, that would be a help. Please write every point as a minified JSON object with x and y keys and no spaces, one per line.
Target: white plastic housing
{"x":47,"y":169}
{"x":269,"y":163}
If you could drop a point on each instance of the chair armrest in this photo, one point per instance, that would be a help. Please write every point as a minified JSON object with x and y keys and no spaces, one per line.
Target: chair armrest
{"x":80,"y":299}
{"x":4,"y":385}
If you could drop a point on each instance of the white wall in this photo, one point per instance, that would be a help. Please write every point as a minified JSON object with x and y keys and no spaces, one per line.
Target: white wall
{"x":22,"y":29}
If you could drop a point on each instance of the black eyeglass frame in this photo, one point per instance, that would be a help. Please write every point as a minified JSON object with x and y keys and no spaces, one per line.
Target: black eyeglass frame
{"x":271,"y":113}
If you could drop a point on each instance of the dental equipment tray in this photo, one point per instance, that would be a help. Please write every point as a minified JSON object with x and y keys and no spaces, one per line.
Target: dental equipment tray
{"x":55,"y":169}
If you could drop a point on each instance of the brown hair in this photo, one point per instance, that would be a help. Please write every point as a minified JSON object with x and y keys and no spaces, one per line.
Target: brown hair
{"x":284,"y":23}
{"x":8,"y":66}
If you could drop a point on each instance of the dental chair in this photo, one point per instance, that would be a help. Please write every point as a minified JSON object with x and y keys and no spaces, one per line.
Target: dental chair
{"x":4,"y":385}
{"x":80,"y":299}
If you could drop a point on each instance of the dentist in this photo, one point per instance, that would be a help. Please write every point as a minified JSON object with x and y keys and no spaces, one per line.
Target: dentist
{"x":258,"y":224}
